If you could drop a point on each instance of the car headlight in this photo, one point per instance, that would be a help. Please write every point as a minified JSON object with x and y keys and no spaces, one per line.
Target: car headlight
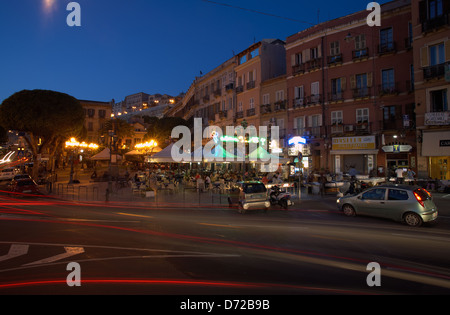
{"x":338,"y":201}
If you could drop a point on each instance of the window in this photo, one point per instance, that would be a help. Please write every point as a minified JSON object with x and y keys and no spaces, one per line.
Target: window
{"x":334,"y":48}
{"x":387,"y":79}
{"x":90,"y":126}
{"x":437,"y":54}
{"x":315,"y":96}
{"x":336,"y":117}
{"x":314,"y":54}
{"x":389,"y":113}
{"x":374,"y":194}
{"x":299,"y":92}
{"x":396,"y":194}
{"x":360,"y":42}
{"x":252,"y":102}
{"x":386,"y":40}
{"x":240,"y":108}
{"x":439,"y":102}
{"x":299,"y":124}
{"x":266,"y":99}
{"x":279,"y":96}
{"x":102,"y":113}
{"x":435,"y":9}
{"x":336,"y":89}
{"x":362,"y":115}
{"x":91,"y":113}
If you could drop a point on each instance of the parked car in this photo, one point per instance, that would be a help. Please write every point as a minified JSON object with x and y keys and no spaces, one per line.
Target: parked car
{"x":404,"y":203}
{"x":7,"y":173}
{"x":25,"y":186}
{"x":249,"y":195}
{"x":20,"y":176}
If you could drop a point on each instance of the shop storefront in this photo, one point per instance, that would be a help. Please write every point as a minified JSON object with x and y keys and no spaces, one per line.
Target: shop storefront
{"x":354,"y":152}
{"x":436,"y":147}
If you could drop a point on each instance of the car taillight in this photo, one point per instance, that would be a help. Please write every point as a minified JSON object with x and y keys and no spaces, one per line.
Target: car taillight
{"x":419,"y":199}
{"x":427,"y":192}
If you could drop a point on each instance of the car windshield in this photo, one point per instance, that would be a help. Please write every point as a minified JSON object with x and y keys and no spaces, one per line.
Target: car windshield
{"x":423,"y":194}
{"x":254,"y":188}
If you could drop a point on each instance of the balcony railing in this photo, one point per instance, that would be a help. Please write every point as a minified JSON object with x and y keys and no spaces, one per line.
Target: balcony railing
{"x":336,"y":96}
{"x":397,"y":124}
{"x":239,"y":115}
{"x":223,"y":114}
{"x":251,"y":85}
{"x":206,"y":98}
{"x":314,"y":99}
{"x":229,"y":87}
{"x":280,"y":105}
{"x":217,"y":92}
{"x":298,"y":69}
{"x":251,"y":112}
{"x":434,"y":71}
{"x":435,"y":23}
{"x":333,"y":60}
{"x":266,"y":108}
{"x":298,"y":102}
{"x":314,"y":64}
{"x":361,"y":92}
{"x":387,"y":48}
{"x":388,"y":89}
{"x":240,"y":89}
{"x":360,"y":53}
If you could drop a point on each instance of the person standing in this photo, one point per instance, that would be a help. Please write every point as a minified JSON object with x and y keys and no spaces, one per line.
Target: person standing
{"x":399,"y":173}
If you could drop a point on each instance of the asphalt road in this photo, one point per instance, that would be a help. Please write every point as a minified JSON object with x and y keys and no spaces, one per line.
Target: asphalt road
{"x":124,"y":248}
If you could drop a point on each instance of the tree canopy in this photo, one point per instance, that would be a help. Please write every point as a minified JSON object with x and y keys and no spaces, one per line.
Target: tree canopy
{"x":160,"y":129}
{"x":46,"y":117}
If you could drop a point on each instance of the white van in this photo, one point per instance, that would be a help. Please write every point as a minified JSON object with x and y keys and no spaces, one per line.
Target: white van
{"x":7,"y":173}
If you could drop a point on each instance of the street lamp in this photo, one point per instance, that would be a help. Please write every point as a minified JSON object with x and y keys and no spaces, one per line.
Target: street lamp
{"x":147,"y":147}
{"x":74,"y":145}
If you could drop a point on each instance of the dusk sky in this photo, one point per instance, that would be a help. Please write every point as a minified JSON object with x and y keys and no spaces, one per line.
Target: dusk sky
{"x":124,"y":47}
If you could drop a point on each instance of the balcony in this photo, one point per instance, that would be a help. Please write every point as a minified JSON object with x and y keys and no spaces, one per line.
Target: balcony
{"x":314,"y":64}
{"x":388,"y":89}
{"x":336,"y":96}
{"x":229,"y":87}
{"x":251,"y":85}
{"x":360,"y":54}
{"x":251,"y":112}
{"x":359,"y":93}
{"x":280,"y":105}
{"x":265,"y":109}
{"x":223,"y":114}
{"x":240,"y":89}
{"x":397,"y":124}
{"x":334,"y":60}
{"x":298,"y":69}
{"x":205,"y":98}
{"x":362,"y":128}
{"x":313,"y":132}
{"x":435,"y":71}
{"x":435,"y":23}
{"x":298,"y":102}
{"x":239,"y":115}
{"x":217,"y":92}
{"x":387,"y":48}
{"x":337,"y":129}
{"x":314,"y":99}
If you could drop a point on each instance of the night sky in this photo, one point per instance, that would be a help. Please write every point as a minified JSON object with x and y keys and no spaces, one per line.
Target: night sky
{"x":125,"y":47}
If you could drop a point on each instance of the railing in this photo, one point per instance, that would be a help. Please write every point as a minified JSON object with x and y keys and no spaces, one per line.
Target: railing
{"x":388,"y":89}
{"x":240,"y":89}
{"x":434,"y":71}
{"x":217,"y":92}
{"x":251,"y":85}
{"x":314,"y":99}
{"x":251,"y":112}
{"x":280,"y":105}
{"x":239,"y":115}
{"x":336,"y":96}
{"x":298,"y":102}
{"x":229,"y":87}
{"x":387,"y":48}
{"x":362,"y":92}
{"x":266,"y":108}
{"x":336,"y":59}
{"x":435,"y":23}
{"x":314,"y":64}
{"x":298,"y":69}
{"x":360,"y":53}
{"x":397,"y":124}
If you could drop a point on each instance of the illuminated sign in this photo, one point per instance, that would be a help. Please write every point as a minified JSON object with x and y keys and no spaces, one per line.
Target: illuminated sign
{"x":297,"y":140}
{"x":241,"y":139}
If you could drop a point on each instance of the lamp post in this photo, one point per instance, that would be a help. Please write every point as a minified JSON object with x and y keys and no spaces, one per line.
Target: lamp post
{"x":147,"y":147}
{"x":74,"y":145}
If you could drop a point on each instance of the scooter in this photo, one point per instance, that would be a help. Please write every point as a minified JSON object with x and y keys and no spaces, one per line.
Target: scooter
{"x":282,"y":198}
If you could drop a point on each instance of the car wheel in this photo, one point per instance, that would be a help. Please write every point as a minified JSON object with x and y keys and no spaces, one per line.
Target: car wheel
{"x":412,"y":219}
{"x":241,"y":208}
{"x":348,"y":210}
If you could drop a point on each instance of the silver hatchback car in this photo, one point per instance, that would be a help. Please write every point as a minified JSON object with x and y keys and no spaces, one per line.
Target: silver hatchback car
{"x":410,"y":204}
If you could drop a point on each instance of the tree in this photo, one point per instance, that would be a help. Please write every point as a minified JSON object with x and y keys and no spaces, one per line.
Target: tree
{"x":122,"y":129}
{"x":160,"y":129}
{"x":46,"y":117}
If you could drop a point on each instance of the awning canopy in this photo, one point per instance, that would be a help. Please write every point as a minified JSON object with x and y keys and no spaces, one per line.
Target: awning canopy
{"x":105,"y":156}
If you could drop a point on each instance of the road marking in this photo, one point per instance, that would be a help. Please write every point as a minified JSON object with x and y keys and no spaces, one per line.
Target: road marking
{"x":135,"y":215}
{"x":70,"y":251}
{"x":15,"y":250}
{"x":220,"y":225}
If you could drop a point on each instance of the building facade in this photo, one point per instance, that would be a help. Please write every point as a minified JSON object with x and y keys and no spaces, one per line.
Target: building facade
{"x":96,"y":114}
{"x":350,"y":92}
{"x":431,"y":42}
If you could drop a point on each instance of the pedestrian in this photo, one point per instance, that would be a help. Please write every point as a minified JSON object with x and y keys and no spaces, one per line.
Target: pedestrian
{"x":410,"y":174}
{"x":399,"y":172}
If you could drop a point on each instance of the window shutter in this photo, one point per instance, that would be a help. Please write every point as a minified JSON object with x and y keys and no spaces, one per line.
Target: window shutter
{"x":447,"y":50}
{"x":306,"y":55}
{"x":295,"y":123}
{"x":424,"y":56}
{"x":343,"y":83}
{"x":353,"y":81}
{"x":369,"y":79}
{"x":293,"y":61}
{"x":319,"y":51}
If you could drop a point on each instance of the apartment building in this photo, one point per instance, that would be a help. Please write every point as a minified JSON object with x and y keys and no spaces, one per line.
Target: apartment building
{"x":350,"y":91}
{"x":96,"y":113}
{"x":259,"y":62}
{"x":431,"y":45}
